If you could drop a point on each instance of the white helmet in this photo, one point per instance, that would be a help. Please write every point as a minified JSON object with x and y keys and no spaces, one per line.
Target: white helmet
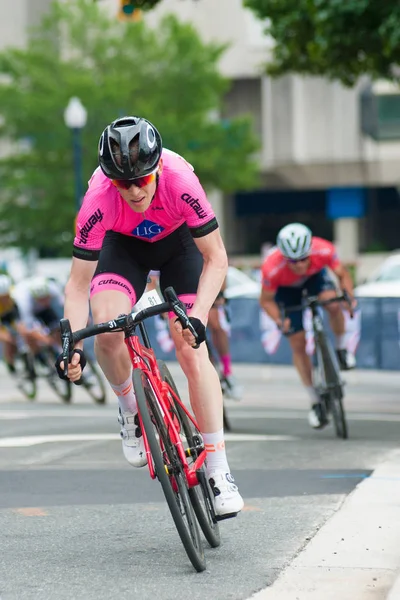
{"x":5,"y":285}
{"x":294,"y":241}
{"x":39,"y":287}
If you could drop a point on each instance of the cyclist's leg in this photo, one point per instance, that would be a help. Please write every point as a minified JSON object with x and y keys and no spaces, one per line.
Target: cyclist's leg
{"x":323,"y":287}
{"x":183,"y":271}
{"x":117,"y":283}
{"x":297,"y":339}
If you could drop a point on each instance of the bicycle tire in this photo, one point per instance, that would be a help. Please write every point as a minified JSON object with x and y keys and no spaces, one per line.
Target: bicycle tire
{"x":26,"y":377}
{"x":334,"y":387}
{"x":201,"y":495}
{"x":62,"y":387}
{"x":96,"y":391}
{"x":339,"y":417}
{"x":226,"y":419}
{"x":151,"y":418}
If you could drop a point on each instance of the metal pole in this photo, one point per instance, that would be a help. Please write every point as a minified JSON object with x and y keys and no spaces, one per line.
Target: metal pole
{"x":77,"y":150}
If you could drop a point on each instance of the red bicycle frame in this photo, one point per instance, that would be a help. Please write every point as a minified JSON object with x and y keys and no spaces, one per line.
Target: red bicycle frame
{"x":144,"y":358}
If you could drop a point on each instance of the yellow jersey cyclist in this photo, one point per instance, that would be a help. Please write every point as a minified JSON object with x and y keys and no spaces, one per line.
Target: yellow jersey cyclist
{"x":13,"y":333}
{"x":144,"y":210}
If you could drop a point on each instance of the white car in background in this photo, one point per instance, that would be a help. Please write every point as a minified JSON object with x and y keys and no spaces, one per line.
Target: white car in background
{"x":384,"y":282}
{"x":241,"y":285}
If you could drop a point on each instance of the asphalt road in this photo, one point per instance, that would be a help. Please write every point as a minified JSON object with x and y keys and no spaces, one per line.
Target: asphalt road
{"x":77,"y":522}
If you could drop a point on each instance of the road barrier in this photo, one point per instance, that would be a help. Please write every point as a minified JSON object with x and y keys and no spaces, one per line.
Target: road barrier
{"x":374,"y":334}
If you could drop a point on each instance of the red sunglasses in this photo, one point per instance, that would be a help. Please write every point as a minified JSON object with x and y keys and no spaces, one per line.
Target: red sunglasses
{"x":139,"y":182}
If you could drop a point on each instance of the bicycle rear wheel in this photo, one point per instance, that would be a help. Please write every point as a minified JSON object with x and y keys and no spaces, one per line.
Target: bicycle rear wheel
{"x":227,"y":421}
{"x":93,"y":383}
{"x":201,"y":495}
{"x":169,"y":470}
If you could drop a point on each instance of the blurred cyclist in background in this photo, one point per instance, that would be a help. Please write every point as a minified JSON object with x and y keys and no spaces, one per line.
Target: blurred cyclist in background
{"x":219,"y":327}
{"x":298,"y":263}
{"x":10,"y":323}
{"x":40,"y":304}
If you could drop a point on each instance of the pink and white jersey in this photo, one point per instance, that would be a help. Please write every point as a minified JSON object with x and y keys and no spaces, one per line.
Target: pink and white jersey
{"x":179,"y":199}
{"x":277,"y":273}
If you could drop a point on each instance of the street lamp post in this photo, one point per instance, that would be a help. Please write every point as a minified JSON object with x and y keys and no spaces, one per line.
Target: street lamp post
{"x":75,"y":117}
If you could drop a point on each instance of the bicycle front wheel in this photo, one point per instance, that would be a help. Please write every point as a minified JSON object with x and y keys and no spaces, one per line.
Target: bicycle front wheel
{"x":201,"y":495}
{"x":169,"y":470}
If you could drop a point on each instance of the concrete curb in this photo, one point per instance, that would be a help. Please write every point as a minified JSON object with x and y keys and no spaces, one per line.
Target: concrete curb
{"x":355,"y":555}
{"x":394,"y":593}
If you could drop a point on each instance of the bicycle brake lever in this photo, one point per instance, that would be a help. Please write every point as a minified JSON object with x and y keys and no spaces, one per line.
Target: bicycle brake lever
{"x":66,"y":341}
{"x":180,"y":310}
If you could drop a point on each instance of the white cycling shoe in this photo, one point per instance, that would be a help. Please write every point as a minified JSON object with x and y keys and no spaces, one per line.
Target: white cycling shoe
{"x":227,"y":500}
{"x":230,"y":388}
{"x":132,"y":439}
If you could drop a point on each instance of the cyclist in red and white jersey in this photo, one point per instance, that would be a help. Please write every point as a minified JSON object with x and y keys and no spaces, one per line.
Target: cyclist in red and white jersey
{"x":300,"y":262}
{"x":144,"y":210}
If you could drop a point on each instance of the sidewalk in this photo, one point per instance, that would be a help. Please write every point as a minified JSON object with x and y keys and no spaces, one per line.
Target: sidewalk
{"x":356,"y":554}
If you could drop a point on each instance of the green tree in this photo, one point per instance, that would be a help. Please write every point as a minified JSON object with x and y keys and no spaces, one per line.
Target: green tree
{"x":339,"y":39}
{"x":167,"y":75}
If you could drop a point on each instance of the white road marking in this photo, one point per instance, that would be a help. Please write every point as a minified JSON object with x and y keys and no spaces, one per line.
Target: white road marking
{"x":35,"y":440}
{"x":235,"y":412}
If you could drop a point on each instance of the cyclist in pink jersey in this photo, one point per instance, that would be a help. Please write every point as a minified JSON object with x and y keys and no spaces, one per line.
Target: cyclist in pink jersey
{"x":298,"y":263}
{"x":144,"y":210}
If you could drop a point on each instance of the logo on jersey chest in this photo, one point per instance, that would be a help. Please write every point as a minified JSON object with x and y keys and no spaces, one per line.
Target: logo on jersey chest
{"x":147,"y":229}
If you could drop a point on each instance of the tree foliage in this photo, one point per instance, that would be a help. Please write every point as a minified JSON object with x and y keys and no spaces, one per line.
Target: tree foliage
{"x":167,"y":75}
{"x":340,"y":39}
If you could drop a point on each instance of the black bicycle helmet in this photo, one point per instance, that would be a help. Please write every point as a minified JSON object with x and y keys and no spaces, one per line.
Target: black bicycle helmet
{"x":129,"y":147}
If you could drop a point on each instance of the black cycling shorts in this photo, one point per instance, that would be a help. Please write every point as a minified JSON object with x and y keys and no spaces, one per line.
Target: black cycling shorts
{"x":49,"y":316}
{"x":176,"y":257}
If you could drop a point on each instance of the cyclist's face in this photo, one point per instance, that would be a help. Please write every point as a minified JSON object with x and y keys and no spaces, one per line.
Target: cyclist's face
{"x":139,"y":198}
{"x":300,"y":267}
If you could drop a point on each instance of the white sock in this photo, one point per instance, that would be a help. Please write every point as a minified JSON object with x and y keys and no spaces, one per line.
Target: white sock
{"x":126,"y":395}
{"x":313,"y":395}
{"x":340,"y":341}
{"x":215,"y":452}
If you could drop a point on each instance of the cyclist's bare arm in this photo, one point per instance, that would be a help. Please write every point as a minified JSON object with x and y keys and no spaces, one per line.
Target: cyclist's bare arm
{"x":33,"y":337}
{"x":213,"y":274}
{"x":345,"y":280}
{"x":267,"y":301}
{"x":76,"y":307}
{"x":6,"y":336}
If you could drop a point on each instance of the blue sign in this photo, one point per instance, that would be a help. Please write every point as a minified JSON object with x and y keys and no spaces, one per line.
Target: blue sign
{"x":345,"y":202}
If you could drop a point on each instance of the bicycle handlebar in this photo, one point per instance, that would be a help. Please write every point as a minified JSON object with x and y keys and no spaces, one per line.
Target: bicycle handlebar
{"x":313,"y":301}
{"x":123,"y":323}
